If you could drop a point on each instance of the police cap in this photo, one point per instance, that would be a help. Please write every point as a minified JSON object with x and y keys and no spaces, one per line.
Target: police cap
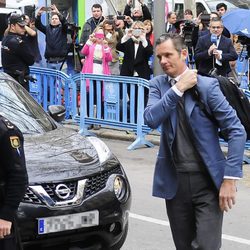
{"x":16,"y":18}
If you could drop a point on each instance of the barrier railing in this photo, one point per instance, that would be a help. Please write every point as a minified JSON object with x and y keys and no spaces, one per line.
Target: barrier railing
{"x":52,"y":87}
{"x":112,"y":101}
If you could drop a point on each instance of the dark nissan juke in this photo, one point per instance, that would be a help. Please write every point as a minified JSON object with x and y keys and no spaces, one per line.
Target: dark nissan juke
{"x":78,"y":195}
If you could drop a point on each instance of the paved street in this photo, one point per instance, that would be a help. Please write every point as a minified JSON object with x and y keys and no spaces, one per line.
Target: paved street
{"x":149,"y":228}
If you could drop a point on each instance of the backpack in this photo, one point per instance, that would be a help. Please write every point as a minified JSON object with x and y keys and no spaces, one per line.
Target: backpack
{"x":236,"y":98}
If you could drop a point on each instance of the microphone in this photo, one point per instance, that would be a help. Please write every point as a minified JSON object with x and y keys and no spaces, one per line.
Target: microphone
{"x":213,"y":39}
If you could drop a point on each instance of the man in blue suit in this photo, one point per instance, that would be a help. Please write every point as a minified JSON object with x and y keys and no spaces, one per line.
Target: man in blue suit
{"x":192,"y":174}
{"x":217,"y":55}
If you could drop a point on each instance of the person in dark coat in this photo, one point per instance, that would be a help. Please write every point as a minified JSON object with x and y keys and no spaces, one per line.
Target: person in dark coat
{"x":13,"y":182}
{"x":55,"y":36}
{"x":15,"y":52}
{"x":217,"y":55}
{"x":137,"y":50}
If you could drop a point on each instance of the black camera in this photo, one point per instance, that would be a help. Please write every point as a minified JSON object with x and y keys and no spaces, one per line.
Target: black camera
{"x":120,"y":17}
{"x":188,"y":27}
{"x":73,"y":29}
{"x":110,"y":17}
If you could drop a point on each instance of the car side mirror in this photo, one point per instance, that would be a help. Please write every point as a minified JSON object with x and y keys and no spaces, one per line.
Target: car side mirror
{"x":57,"y":112}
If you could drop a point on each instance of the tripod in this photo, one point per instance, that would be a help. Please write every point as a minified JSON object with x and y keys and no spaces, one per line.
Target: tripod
{"x":74,"y":49}
{"x":190,"y":59}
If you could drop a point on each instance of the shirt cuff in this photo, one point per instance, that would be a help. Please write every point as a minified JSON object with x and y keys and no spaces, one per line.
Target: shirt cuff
{"x":125,"y":39}
{"x":144,"y":43}
{"x":177,"y":91}
{"x":89,"y":42}
{"x":232,"y":177}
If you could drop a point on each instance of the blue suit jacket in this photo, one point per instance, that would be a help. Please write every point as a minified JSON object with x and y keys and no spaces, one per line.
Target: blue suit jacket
{"x":161,"y":110}
{"x":205,"y":61}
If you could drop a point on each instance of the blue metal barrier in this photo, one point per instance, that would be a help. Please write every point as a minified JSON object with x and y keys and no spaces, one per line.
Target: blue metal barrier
{"x":52,"y":87}
{"x":111,"y":101}
{"x":242,"y":65}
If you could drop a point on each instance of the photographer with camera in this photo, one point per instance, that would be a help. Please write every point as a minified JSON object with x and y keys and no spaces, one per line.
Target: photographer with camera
{"x":55,"y":36}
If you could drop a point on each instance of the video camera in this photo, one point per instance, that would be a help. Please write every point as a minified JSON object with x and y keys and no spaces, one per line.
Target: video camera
{"x":188,"y":27}
{"x":73,"y":29}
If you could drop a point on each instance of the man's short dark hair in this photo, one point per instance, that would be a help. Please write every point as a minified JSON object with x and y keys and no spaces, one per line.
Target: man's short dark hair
{"x":215,"y":13}
{"x":221,"y":5}
{"x":96,"y":6}
{"x":170,"y":13}
{"x":188,"y":12}
{"x":178,"y":41}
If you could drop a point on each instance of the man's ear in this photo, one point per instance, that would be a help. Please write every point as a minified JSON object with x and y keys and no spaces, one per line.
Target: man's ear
{"x":184,"y":54}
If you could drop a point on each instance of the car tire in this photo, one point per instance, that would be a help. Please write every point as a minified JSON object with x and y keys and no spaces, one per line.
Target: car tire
{"x":120,"y":243}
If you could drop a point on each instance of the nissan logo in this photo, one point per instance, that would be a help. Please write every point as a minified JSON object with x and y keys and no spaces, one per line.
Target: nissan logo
{"x":62,"y":191}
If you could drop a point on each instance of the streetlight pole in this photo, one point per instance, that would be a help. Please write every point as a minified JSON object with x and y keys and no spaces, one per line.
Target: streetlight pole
{"x":159,"y":29}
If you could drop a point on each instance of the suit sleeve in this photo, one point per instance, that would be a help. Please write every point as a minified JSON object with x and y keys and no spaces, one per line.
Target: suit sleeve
{"x":231,"y":54}
{"x":228,"y":120}
{"x":39,"y":25}
{"x":201,"y":50}
{"x":159,"y":107}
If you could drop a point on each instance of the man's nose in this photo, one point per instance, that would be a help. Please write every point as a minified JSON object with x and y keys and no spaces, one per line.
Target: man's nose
{"x":164,"y":59}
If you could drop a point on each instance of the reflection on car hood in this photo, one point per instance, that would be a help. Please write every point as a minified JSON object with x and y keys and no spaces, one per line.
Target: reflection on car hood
{"x":58,"y":155}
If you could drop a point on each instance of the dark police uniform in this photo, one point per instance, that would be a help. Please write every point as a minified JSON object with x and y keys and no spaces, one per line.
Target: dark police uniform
{"x":13,"y":179}
{"x":16,"y":58}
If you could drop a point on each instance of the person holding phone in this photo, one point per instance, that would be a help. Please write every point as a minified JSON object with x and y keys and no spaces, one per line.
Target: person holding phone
{"x":55,"y":36}
{"x":113,"y":36}
{"x":137,"y":50}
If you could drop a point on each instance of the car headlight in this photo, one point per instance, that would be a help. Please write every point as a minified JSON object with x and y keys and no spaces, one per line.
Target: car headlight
{"x":102,"y":149}
{"x":119,"y":188}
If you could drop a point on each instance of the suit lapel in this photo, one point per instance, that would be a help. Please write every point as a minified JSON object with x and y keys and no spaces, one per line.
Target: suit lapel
{"x":173,"y":116}
{"x":189,"y":104}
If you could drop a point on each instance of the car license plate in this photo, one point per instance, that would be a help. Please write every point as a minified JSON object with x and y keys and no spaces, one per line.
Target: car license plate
{"x":68,"y":222}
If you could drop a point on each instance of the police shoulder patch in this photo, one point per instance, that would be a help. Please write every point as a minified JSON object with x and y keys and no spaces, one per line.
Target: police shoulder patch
{"x":7,"y":123}
{"x":19,"y":39}
{"x":15,"y":141}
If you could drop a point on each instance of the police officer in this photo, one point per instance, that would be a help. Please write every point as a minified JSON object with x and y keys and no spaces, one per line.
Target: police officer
{"x":16,"y":54}
{"x":13,"y":182}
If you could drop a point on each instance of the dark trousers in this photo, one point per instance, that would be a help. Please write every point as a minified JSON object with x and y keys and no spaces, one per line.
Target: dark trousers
{"x":194,"y":213}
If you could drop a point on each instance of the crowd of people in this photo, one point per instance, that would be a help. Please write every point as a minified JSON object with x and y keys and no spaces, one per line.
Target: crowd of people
{"x":129,"y":37}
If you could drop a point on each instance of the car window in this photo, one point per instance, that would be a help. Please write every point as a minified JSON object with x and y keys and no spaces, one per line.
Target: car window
{"x":200,"y":9}
{"x":179,"y":9}
{"x":21,"y":109}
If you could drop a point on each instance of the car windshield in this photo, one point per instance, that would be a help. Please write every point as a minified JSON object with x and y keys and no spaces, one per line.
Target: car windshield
{"x":22,"y":110}
{"x":212,"y":5}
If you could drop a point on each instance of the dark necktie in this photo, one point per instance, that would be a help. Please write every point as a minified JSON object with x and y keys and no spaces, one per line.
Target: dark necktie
{"x":170,"y":27}
{"x":172,"y":82}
